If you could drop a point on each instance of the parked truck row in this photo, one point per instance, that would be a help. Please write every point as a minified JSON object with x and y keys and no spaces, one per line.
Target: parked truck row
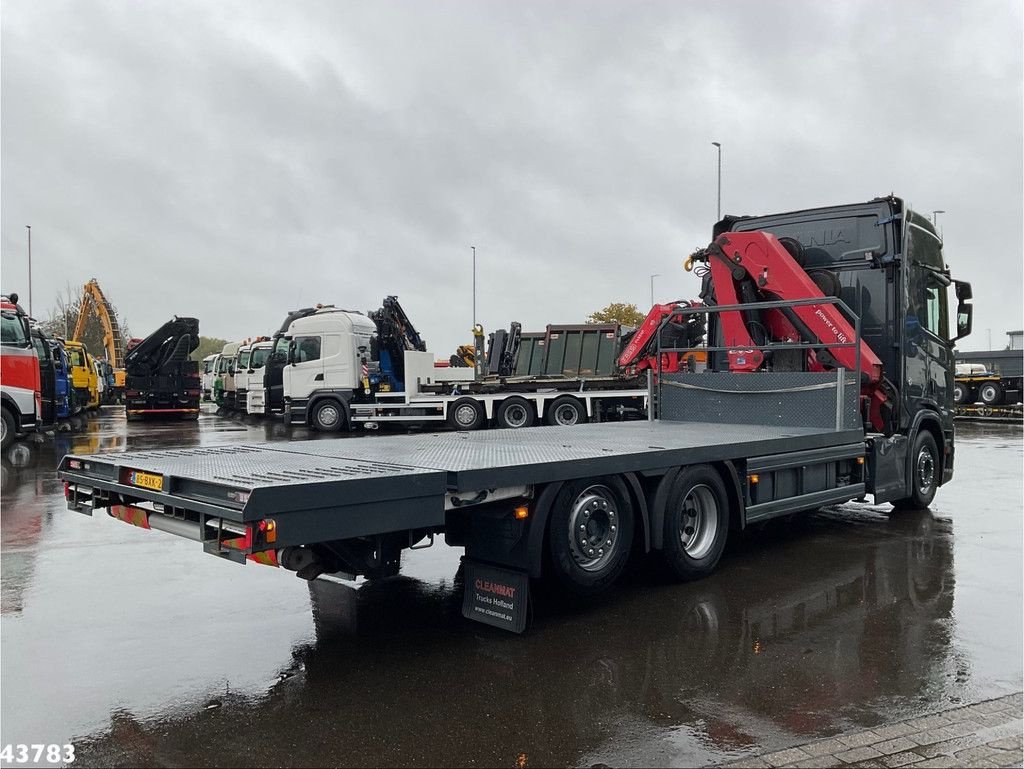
{"x":45,"y":381}
{"x":829,"y":335}
{"x":333,"y":369}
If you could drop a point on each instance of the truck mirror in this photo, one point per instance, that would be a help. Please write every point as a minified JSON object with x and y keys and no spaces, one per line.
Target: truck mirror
{"x":964,"y":310}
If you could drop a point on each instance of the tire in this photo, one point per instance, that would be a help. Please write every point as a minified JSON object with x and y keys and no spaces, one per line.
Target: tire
{"x":925,"y":473}
{"x":466,"y":414}
{"x":8,"y":429}
{"x":565,"y":412}
{"x":696,"y":523}
{"x":328,"y":416}
{"x":516,"y":412}
{"x":602,"y":507}
{"x":990,"y":393}
{"x":961,"y":393}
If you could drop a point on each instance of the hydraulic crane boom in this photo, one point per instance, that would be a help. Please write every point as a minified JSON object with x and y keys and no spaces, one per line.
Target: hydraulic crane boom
{"x":640,"y":352}
{"x":749,"y":267}
{"x":95,"y":303}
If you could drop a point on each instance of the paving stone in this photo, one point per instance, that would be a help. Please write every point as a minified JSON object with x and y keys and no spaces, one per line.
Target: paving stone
{"x":976,"y":753}
{"x":893,"y":730}
{"x":862,"y":753}
{"x":824,"y":747}
{"x":816,"y":762}
{"x":939,"y":762}
{"x":750,"y":762}
{"x":928,"y":722}
{"x":788,"y":756}
{"x":1008,"y":743}
{"x":948,"y":747}
{"x":897,"y":745}
{"x":993,"y":706}
{"x":905,"y":758}
{"x":858,"y":739}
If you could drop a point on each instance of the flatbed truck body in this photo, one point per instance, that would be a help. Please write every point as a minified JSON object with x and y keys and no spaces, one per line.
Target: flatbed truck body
{"x":788,"y":422}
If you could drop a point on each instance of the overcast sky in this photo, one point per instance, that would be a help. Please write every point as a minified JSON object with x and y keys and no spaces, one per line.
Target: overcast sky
{"x":234,"y":160}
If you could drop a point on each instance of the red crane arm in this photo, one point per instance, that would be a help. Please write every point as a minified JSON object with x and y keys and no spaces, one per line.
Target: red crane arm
{"x":736,"y":256}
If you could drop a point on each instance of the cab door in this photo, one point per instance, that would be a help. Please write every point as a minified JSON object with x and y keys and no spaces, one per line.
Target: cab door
{"x":929,"y":353}
{"x":305,"y":371}
{"x":47,"y":380}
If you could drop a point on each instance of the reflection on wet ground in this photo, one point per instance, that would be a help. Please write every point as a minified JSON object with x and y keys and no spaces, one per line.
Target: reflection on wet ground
{"x":146,"y":652}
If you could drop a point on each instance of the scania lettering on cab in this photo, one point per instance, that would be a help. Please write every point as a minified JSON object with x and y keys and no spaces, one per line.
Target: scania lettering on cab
{"x":829,"y":378}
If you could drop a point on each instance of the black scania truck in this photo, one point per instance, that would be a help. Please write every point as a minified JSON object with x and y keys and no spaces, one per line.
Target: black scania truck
{"x":829,"y":377}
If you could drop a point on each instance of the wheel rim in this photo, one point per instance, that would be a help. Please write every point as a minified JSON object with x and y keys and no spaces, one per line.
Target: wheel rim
{"x":567,"y":415}
{"x":698,"y":521}
{"x":594,"y":528}
{"x":328,"y":416}
{"x":958,"y":394}
{"x":988,"y":393}
{"x":925,"y":470}
{"x":3,"y":430}
{"x":465,"y":415}
{"x":516,"y":415}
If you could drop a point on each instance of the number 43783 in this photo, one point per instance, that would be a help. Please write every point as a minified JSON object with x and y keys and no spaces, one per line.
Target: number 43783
{"x":37,"y":754}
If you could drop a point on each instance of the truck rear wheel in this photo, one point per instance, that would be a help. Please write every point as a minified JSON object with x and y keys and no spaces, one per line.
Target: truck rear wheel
{"x":925,"y":473}
{"x":8,"y":428}
{"x":466,"y":414}
{"x":696,"y":523}
{"x":515,"y":412}
{"x":566,"y":411}
{"x":990,"y":393}
{"x":961,"y":394}
{"x":328,"y":416}
{"x":590,"y":534}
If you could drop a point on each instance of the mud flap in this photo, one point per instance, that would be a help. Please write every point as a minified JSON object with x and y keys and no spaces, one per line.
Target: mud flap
{"x":495,"y":596}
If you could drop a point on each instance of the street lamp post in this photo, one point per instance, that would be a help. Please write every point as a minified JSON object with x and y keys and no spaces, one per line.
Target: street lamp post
{"x":474,"y":286}
{"x":655,"y":275}
{"x":29,"y":227}
{"x":719,"y":145}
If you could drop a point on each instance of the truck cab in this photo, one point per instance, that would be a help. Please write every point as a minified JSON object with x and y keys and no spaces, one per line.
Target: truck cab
{"x":84,"y":383}
{"x":226,"y":371}
{"x":236,"y":384}
{"x":885,"y":262}
{"x":47,"y":379}
{"x":254,"y":399}
{"x":19,"y":372}
{"x":62,"y":381}
{"x":326,"y":351}
{"x":209,"y":368}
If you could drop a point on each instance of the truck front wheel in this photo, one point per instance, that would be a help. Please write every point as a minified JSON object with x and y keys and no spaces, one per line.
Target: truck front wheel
{"x":8,"y":429}
{"x":925,"y":473}
{"x":696,"y":523}
{"x":590,"y":534}
{"x":328,"y":416}
{"x":466,"y":414}
{"x":991,"y":394}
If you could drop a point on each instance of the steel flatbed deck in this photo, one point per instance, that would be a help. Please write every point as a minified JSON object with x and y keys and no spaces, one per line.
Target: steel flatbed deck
{"x":276,"y":479}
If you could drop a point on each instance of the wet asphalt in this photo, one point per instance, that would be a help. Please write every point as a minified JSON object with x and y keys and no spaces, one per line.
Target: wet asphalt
{"x":143,"y":651}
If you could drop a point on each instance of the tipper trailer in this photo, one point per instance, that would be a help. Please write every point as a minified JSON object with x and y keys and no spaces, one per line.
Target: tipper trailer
{"x":806,"y":414}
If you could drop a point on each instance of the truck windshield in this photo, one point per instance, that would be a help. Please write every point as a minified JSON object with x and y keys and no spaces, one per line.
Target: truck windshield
{"x":42,"y":348}
{"x":77,"y":359}
{"x":222,"y":365}
{"x":13,"y":330}
{"x":259,"y":357}
{"x":243,"y":359}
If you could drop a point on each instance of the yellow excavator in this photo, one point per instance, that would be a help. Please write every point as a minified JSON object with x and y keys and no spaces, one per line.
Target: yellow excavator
{"x":95,"y":303}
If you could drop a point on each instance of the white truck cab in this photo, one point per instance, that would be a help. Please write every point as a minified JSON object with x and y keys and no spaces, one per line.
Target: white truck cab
{"x":250,"y":392}
{"x":325,"y":355}
{"x":209,"y":373}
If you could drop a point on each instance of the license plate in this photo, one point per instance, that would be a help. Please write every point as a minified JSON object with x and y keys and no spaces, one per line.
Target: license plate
{"x":146,"y":480}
